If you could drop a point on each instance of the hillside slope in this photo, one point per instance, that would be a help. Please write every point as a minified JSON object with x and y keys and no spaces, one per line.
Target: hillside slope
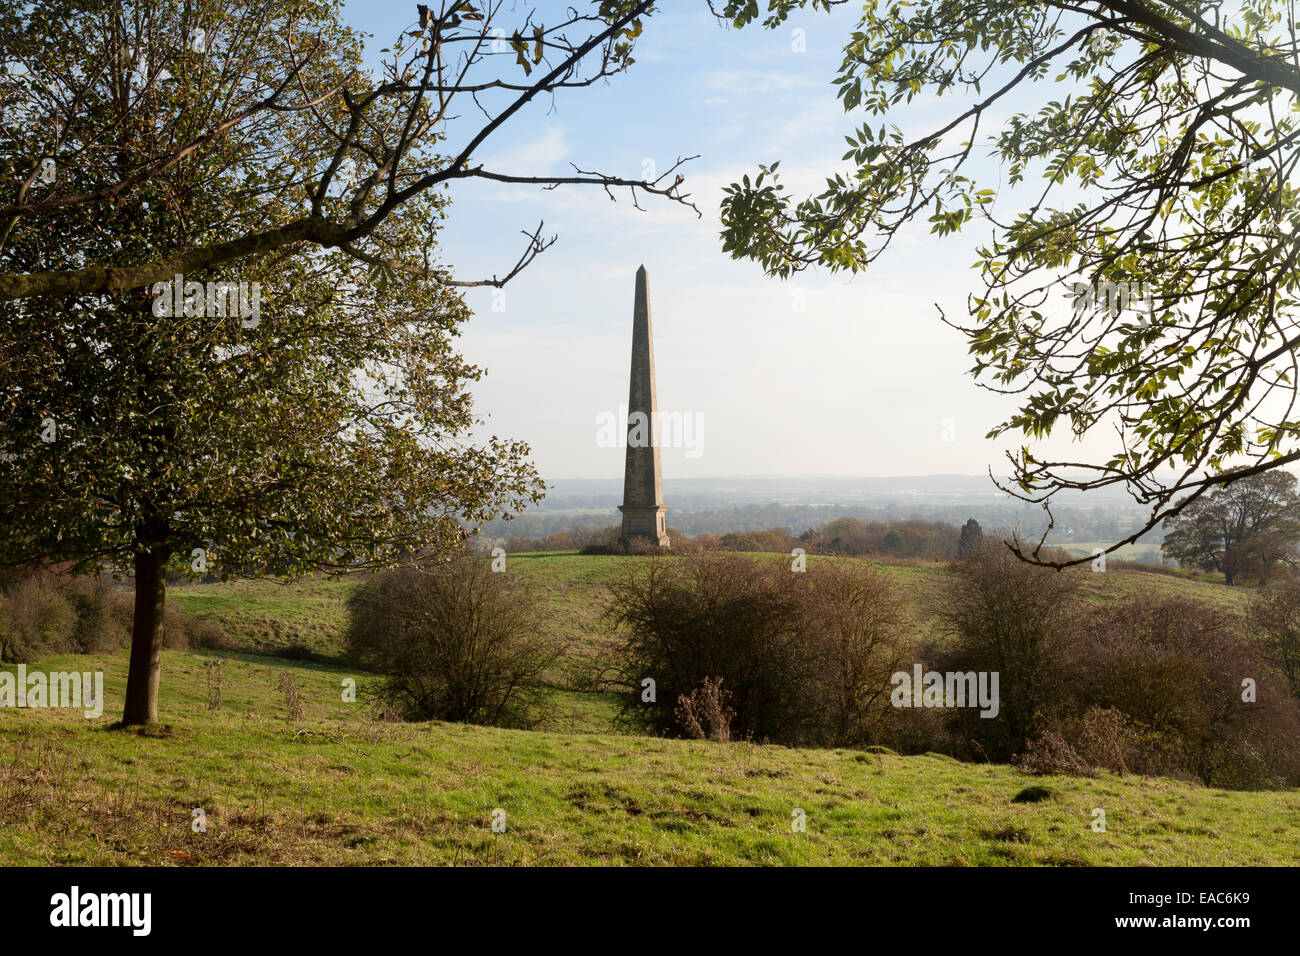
{"x":338,"y":787}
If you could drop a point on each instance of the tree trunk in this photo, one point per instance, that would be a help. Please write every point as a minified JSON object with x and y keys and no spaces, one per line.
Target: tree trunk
{"x":146,"y":637}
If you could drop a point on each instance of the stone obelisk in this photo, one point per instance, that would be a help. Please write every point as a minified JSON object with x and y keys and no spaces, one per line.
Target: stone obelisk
{"x":643,"y":486}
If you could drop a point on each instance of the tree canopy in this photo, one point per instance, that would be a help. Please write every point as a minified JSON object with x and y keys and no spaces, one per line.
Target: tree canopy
{"x":1250,"y":527}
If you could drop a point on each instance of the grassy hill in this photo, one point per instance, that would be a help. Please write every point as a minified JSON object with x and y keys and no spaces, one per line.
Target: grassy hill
{"x":337,"y":785}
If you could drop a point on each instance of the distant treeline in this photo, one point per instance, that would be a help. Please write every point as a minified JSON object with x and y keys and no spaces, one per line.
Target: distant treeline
{"x":921,"y":540}
{"x":1093,"y":524}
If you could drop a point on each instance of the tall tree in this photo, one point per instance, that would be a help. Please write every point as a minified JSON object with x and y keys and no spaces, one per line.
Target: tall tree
{"x":1244,"y":528}
{"x":1147,"y":283}
{"x":318,"y":419}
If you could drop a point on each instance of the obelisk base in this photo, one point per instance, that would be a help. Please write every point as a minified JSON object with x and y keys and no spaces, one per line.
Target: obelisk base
{"x":645,"y":524}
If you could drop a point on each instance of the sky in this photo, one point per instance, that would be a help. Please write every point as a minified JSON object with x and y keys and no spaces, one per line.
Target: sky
{"x":819,"y":375}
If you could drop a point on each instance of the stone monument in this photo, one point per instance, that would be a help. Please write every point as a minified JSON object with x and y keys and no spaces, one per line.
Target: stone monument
{"x":643,"y":487}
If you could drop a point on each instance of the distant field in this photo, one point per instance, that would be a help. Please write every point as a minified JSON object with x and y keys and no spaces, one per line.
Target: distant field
{"x":1129,"y":552}
{"x":339,"y":787}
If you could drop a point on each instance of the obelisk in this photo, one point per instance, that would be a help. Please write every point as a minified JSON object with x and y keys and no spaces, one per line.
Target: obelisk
{"x":643,"y":486}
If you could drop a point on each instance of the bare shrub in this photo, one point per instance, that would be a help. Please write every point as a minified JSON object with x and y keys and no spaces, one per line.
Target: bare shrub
{"x":216,"y":678}
{"x":1097,"y":740}
{"x":704,"y":712}
{"x":930,"y":540}
{"x":184,"y":632}
{"x":1050,"y":752}
{"x":287,"y":685}
{"x":600,"y":541}
{"x":855,"y":631}
{"x":919,"y":730}
{"x":208,"y":634}
{"x":1003,"y":615}
{"x":1275,"y":616}
{"x":1175,"y":669}
{"x":35,"y":619}
{"x":776,"y":540}
{"x":718,"y":616}
{"x":805,"y":657}
{"x":683,"y":543}
{"x":1153,"y":686}
{"x":453,"y":642}
{"x":103,"y":614}
{"x":640,"y":546}
{"x":1103,"y":738}
{"x":175,"y":630}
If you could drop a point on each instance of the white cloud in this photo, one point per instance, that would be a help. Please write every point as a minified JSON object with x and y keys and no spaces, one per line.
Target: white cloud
{"x":536,"y":157}
{"x":754,"y":82}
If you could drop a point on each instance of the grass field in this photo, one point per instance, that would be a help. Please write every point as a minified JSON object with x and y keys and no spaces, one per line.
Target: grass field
{"x":1129,"y":552}
{"x":337,"y":787}
{"x":268,"y":614}
{"x":340,"y":786}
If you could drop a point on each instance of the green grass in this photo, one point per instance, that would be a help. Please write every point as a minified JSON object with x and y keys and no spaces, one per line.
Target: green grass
{"x":268,"y":614}
{"x":341,"y":786}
